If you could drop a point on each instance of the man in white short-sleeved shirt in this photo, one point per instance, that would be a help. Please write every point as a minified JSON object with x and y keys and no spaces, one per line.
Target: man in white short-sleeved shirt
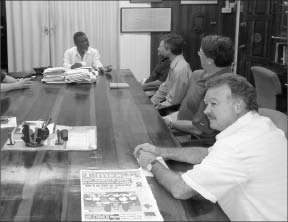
{"x":245,"y":171}
{"x":82,"y":54}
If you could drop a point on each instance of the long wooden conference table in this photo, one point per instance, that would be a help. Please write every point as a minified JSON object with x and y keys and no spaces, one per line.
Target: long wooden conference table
{"x":45,"y":185}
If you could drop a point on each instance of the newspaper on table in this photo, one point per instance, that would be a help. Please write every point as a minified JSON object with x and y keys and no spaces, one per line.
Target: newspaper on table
{"x":122,"y":195}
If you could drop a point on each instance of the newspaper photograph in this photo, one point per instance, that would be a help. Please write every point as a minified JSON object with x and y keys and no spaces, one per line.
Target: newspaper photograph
{"x":122,"y":195}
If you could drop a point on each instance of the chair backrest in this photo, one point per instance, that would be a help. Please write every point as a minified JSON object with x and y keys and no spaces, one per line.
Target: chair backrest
{"x":267,"y":85}
{"x":277,"y":117}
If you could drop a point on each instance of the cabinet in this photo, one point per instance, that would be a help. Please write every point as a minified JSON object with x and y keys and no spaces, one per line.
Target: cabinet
{"x":259,"y":22}
{"x":263,"y":27}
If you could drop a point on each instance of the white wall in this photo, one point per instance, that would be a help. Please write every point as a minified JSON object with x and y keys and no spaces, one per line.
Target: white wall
{"x":135,"y":48}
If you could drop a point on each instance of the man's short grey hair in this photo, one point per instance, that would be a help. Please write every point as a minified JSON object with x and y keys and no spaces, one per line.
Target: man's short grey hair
{"x":240,"y":88}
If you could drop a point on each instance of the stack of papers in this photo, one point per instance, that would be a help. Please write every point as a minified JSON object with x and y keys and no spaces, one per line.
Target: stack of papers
{"x":63,"y":75}
{"x":55,"y":74}
{"x":80,"y":76}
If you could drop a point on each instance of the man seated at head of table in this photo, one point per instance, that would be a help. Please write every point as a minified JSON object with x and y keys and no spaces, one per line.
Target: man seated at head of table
{"x":9,"y":83}
{"x":245,"y":171}
{"x":173,"y":90}
{"x":216,"y":55}
{"x":82,"y":54}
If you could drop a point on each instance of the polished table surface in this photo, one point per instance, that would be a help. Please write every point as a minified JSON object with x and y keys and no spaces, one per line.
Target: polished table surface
{"x":45,"y":185}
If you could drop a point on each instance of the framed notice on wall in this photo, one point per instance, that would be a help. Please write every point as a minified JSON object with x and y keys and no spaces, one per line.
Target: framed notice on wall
{"x":145,"y":19}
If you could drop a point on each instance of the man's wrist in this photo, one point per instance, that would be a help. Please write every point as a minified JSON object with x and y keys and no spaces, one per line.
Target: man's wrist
{"x":153,"y":162}
{"x":170,"y":124}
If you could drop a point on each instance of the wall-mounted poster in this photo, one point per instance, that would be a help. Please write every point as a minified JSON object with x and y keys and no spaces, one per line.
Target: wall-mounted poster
{"x":145,"y":19}
{"x":198,"y":2}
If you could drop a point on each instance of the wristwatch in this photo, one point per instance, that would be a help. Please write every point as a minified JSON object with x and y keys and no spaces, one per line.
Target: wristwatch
{"x":170,"y":124}
{"x":150,"y":165}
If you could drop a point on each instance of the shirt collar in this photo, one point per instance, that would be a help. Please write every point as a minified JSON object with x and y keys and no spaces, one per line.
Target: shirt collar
{"x":88,"y":52}
{"x":219,"y":72}
{"x":176,"y":60}
{"x":238,"y":124}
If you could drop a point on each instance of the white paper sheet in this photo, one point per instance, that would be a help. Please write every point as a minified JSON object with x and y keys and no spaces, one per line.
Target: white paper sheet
{"x":12,"y":122}
{"x":118,"y":85}
{"x":80,"y":138}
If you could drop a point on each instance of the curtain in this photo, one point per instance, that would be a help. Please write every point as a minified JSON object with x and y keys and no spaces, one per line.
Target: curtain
{"x":27,"y":39}
{"x":27,"y":29}
{"x":98,"y":19}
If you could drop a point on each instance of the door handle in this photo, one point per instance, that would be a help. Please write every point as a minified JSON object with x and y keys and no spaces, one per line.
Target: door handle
{"x":243,"y":24}
{"x":46,"y":30}
{"x":243,"y":46}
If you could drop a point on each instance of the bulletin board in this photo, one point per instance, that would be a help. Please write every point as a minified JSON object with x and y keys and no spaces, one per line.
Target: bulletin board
{"x":145,"y":19}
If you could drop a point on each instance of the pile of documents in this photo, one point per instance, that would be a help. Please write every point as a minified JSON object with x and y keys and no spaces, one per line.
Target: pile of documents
{"x":80,"y":76}
{"x":55,"y":74}
{"x":62,"y":75}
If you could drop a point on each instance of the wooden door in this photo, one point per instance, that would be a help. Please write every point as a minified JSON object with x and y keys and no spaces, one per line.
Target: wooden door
{"x":255,"y":35}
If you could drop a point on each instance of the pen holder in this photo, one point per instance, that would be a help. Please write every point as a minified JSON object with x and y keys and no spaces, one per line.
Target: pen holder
{"x":37,"y":138}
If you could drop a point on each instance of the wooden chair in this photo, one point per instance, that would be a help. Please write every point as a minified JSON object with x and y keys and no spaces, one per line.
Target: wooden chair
{"x":277,"y":117}
{"x":267,"y":86}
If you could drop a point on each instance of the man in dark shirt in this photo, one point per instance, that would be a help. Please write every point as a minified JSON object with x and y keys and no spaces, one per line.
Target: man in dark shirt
{"x":158,"y":75}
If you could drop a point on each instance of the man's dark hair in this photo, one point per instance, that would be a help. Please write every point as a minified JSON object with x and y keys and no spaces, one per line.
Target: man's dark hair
{"x":219,"y":48}
{"x":240,"y":88}
{"x":174,"y":42}
{"x":77,"y":35}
